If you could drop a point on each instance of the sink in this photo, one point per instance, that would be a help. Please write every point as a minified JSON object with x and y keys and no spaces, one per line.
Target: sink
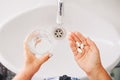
{"x":76,"y":18}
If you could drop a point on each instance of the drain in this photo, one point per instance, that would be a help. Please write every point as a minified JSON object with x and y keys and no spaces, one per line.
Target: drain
{"x":59,"y":33}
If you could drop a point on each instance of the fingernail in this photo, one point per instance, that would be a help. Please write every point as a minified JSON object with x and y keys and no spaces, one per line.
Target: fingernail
{"x":50,"y":55}
{"x":70,"y":33}
{"x":89,"y":38}
{"x":76,"y":32}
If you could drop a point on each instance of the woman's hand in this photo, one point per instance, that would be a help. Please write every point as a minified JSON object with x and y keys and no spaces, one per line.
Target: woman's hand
{"x":32,"y":63}
{"x":89,"y":58}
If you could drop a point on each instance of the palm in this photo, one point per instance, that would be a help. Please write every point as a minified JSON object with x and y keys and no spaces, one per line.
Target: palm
{"x":88,"y":61}
{"x":90,"y":55}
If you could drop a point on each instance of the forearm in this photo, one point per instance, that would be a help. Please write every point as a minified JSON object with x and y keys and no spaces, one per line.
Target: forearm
{"x":22,"y":76}
{"x":99,"y":74}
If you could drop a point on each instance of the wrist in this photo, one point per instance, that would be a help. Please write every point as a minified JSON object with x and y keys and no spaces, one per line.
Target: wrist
{"x":98,"y":73}
{"x":95,"y":70}
{"x":22,"y":76}
{"x":27,"y":73}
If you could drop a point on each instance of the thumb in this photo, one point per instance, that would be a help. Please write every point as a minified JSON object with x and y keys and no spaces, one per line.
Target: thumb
{"x":45,"y":57}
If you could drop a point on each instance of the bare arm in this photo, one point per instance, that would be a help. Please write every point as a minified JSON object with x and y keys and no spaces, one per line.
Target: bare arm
{"x":98,"y":74}
{"x":31,"y":64}
{"x":23,"y":75}
{"x":89,"y":59}
{"x":30,"y":68}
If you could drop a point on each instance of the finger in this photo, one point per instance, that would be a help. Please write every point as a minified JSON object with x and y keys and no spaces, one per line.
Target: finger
{"x":28,"y":52}
{"x":91,"y":44}
{"x":81,"y":37}
{"x":73,"y":47}
{"x":31,"y":35}
{"x":70,"y":37}
{"x":72,"y":44}
{"x":26,"y":47}
{"x":75,"y":52}
{"x":26,"y":41}
{"x":74,"y":37}
{"x":44,"y":58}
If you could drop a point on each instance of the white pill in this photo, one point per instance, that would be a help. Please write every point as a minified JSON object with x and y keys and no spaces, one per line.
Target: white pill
{"x":79,"y":50}
{"x":77,"y":43}
{"x":82,"y":46}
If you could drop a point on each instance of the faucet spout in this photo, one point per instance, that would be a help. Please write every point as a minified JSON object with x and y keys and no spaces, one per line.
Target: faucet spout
{"x":59,"y":12}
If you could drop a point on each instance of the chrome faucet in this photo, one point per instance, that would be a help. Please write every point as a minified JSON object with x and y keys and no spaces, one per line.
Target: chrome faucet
{"x":59,"y":12}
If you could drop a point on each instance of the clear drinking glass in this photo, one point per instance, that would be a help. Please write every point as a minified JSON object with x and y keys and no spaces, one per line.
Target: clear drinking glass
{"x":40,"y":42}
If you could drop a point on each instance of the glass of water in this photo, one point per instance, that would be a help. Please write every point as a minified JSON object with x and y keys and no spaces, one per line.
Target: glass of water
{"x":40,"y":42}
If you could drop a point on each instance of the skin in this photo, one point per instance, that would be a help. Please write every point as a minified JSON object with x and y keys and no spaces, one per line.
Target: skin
{"x":31,"y":63}
{"x":89,"y":60}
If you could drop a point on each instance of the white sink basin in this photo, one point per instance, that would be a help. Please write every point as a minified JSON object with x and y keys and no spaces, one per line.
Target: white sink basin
{"x":13,"y":33}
